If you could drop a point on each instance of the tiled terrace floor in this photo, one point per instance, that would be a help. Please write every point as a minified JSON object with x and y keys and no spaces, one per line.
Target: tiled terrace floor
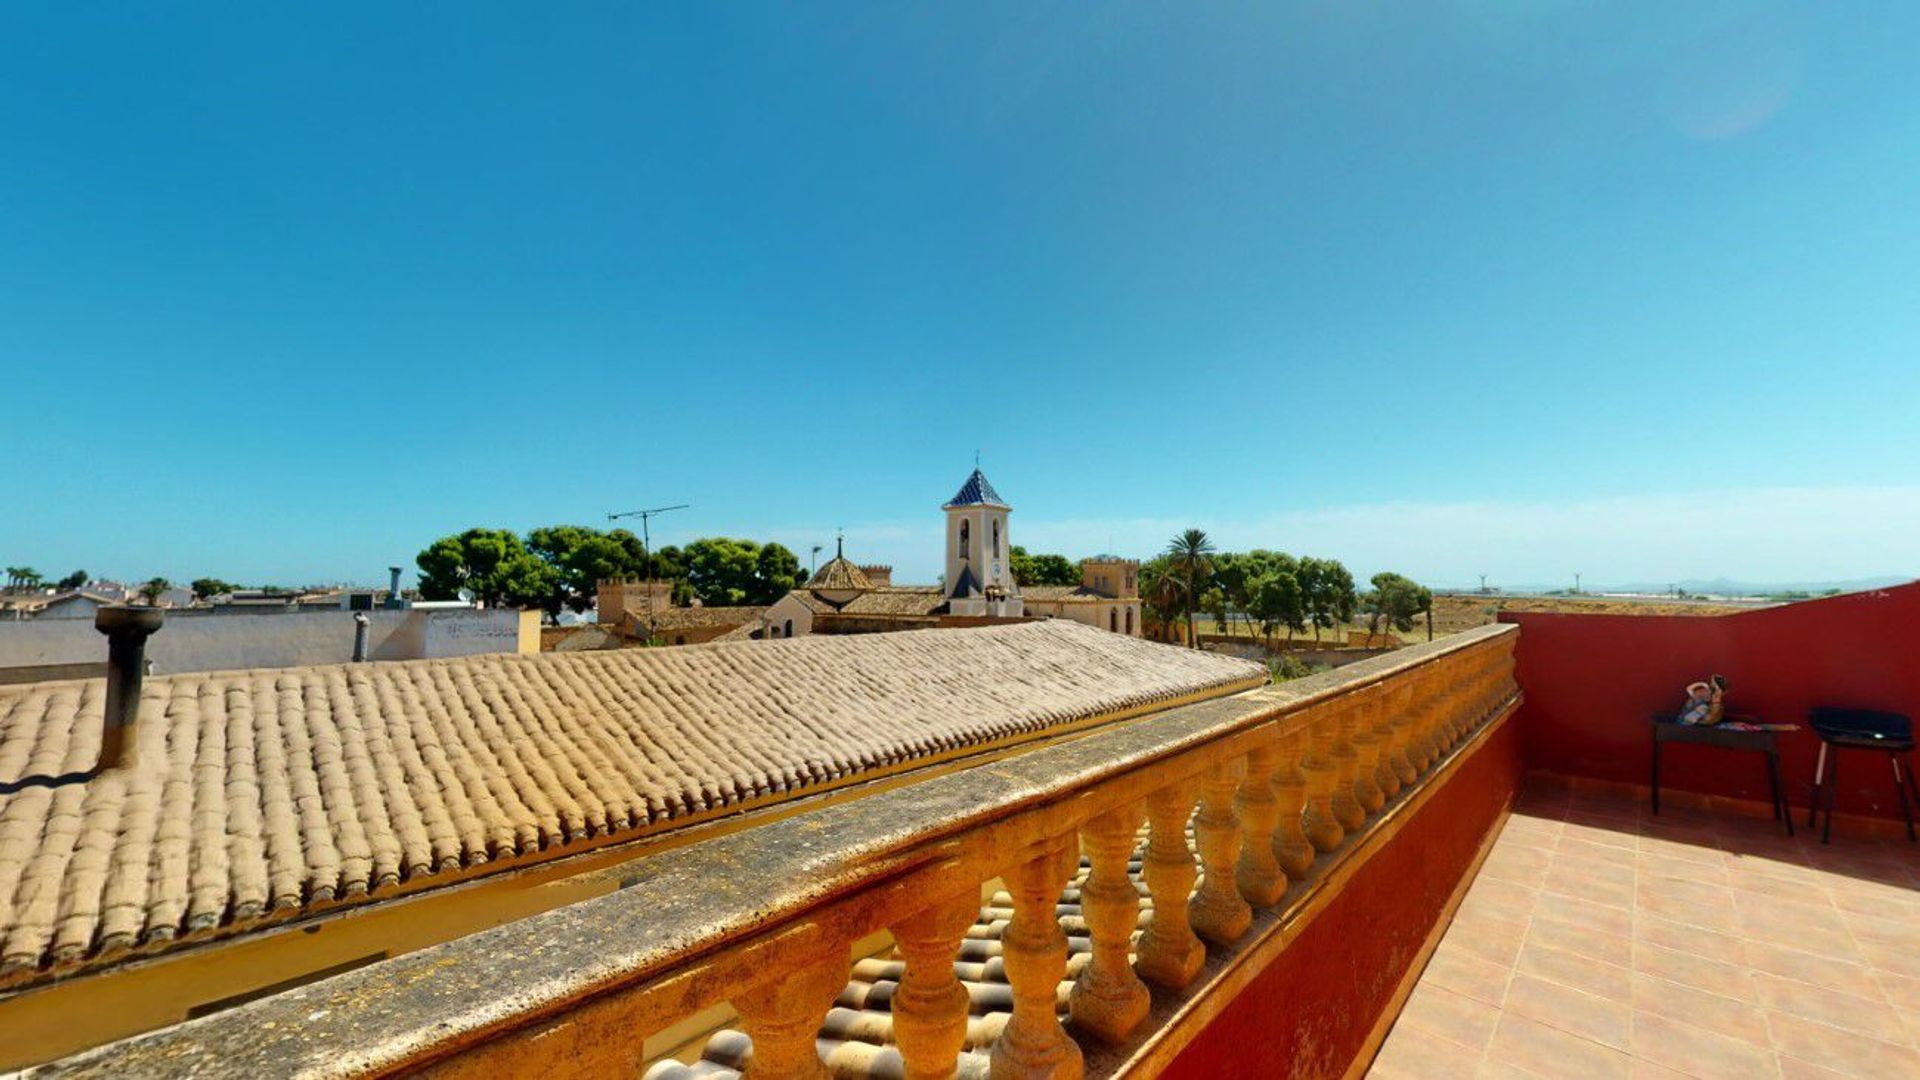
{"x":1601,"y":941}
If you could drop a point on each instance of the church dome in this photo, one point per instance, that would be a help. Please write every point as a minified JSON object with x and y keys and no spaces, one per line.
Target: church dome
{"x":839,"y":575}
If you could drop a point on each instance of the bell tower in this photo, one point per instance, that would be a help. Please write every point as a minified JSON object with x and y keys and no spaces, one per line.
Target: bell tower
{"x":979,"y":577}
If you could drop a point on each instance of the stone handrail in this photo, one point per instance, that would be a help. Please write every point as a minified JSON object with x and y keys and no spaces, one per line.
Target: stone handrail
{"x":1285,"y":780}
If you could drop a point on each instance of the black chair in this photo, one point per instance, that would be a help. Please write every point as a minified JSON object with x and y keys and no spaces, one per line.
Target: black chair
{"x":1861,"y":729}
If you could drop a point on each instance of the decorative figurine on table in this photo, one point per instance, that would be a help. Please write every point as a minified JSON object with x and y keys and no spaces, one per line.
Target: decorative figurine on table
{"x":1706,"y":702}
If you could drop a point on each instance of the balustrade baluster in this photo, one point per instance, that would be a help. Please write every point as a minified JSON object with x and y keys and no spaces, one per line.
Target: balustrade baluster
{"x":1399,"y":702}
{"x":1422,"y":741}
{"x":1321,"y":825}
{"x":930,"y":1005}
{"x":1259,"y":875}
{"x":1346,"y":766}
{"x":1170,"y":954}
{"x":783,"y":1016}
{"x":1108,"y":999}
{"x":1367,"y":711}
{"x":1384,"y":776}
{"x":1034,"y":950}
{"x":1219,"y":914}
{"x":1291,"y":848}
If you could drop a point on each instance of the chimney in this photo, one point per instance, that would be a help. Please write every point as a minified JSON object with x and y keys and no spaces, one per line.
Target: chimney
{"x":127,"y":630}
{"x":393,"y":587}
{"x":360,"y":621}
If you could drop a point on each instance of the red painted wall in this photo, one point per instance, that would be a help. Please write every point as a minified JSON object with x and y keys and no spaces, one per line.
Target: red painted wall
{"x":1309,"y":1012}
{"x":1591,"y":682}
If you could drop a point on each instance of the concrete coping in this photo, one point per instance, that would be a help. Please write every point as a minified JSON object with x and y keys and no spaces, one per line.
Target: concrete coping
{"x":678,"y":906}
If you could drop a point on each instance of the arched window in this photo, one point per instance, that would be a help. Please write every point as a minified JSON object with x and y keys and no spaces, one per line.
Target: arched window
{"x":996,"y":539}
{"x":1129,"y":620}
{"x":1113,"y":619}
{"x":964,"y":536}
{"x":789,"y":632}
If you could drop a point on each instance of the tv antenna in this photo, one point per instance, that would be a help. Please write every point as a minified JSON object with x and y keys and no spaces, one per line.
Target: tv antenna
{"x":646,"y":545}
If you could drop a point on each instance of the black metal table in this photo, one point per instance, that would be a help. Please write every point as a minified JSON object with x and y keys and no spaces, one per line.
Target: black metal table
{"x":1668,"y":729}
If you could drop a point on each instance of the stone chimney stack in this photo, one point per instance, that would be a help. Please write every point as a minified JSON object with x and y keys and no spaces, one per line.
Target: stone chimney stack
{"x":127,"y":630}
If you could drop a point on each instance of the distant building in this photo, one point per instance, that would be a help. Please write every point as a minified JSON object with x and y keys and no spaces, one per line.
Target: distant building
{"x":845,"y":598}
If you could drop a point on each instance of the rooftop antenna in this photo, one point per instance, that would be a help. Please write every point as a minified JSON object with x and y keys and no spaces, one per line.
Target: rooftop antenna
{"x":646,"y":546}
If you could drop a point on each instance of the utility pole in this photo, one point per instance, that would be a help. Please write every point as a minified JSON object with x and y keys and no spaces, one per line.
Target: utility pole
{"x":1483,"y":584}
{"x":646,"y":547}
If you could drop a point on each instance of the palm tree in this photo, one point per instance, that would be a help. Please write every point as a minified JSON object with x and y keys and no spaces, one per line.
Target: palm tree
{"x":151,"y":591}
{"x":1191,"y":552}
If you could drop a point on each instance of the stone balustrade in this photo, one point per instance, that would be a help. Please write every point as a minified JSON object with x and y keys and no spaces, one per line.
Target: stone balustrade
{"x":1277,"y":785}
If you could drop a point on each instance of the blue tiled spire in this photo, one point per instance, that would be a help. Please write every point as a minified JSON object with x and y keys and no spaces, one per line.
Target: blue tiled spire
{"x":977,"y":492}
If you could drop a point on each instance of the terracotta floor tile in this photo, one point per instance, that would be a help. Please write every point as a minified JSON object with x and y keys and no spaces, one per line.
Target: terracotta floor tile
{"x":1890,"y":958}
{"x":1870,"y":1016}
{"x":1828,"y":972}
{"x":1696,"y":894}
{"x":1710,"y":916}
{"x":1903,"y":992}
{"x":1550,"y":1052}
{"x":1682,"y":845}
{"x":1686,"y":1005}
{"x":1455,"y":1017}
{"x":1871,"y":929}
{"x":1582,"y":940}
{"x":1611,"y":981}
{"x":1727,"y":980}
{"x":1573,"y":847}
{"x":1606,"y":1022}
{"x":1841,"y":1051}
{"x":1560,"y":907}
{"x":1792,"y":916}
{"x":1662,"y":866}
{"x":1417,"y":1054}
{"x":1787,"y":887}
{"x":1647,"y":1070}
{"x":1491,"y":938}
{"x":1697,"y":1052}
{"x":1602,"y":831}
{"x":1524,"y":866}
{"x":1493,"y":896}
{"x":1682,"y":937}
{"x":1464,"y":973}
{"x":1792,"y":1068}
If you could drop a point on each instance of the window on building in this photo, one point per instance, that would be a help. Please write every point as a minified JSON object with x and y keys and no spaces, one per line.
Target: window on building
{"x":1129,"y":620}
{"x":964,"y":537}
{"x":996,"y":539}
{"x":789,"y":631}
{"x":1113,"y":620}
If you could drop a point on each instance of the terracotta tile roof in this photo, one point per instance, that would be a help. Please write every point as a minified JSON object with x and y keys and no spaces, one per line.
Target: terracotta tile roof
{"x":262,"y":795}
{"x":905,"y":600}
{"x":1068,"y":593}
{"x":677,"y":618}
{"x":837,"y":573}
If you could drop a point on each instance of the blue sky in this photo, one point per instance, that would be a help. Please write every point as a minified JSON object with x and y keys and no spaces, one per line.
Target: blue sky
{"x":1518,"y":288}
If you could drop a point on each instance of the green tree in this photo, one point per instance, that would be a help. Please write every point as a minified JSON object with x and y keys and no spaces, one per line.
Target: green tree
{"x":23,"y":577}
{"x":207,"y":588}
{"x":1326,"y":589}
{"x":1161,"y":595}
{"x":73,"y":581}
{"x":1395,"y":600}
{"x":153,"y":589}
{"x":1276,"y":603}
{"x":581,"y":557}
{"x":1192,"y":553}
{"x":1042,"y":569}
{"x":492,"y":565}
{"x":777,"y":571}
{"x":723,"y":571}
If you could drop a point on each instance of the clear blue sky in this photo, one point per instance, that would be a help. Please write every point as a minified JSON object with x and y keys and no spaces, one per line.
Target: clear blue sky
{"x":1510,"y":287}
